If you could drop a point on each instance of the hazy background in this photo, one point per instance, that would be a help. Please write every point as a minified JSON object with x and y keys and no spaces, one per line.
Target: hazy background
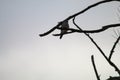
{"x":26,"y":56}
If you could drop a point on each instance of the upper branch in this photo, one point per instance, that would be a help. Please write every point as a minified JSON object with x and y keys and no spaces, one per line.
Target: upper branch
{"x":89,"y":7}
{"x":76,"y":14}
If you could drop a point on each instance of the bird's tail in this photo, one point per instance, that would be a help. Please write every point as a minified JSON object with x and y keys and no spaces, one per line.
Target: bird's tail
{"x":61,"y":36}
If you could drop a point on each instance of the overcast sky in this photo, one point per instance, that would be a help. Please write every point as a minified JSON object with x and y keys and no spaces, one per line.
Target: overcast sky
{"x":26,"y":56}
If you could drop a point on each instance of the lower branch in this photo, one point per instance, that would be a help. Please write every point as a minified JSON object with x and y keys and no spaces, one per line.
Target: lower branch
{"x":92,"y":59}
{"x":109,"y":61}
{"x":101,"y":51}
{"x":72,"y":30}
{"x":112,"y":50}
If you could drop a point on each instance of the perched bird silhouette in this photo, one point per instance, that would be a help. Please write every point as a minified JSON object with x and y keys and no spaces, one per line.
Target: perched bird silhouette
{"x":64,"y":27}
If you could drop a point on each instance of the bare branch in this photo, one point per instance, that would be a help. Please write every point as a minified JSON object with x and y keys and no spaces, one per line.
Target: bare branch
{"x":91,"y":40}
{"x":64,"y":33}
{"x":81,"y":12}
{"x":114,"y":78}
{"x":51,"y":30}
{"x":94,"y":66}
{"x":71,"y":30}
{"x":112,"y":50}
{"x":101,"y":51}
{"x":89,"y":7}
{"x":97,"y":30}
{"x":79,"y":30}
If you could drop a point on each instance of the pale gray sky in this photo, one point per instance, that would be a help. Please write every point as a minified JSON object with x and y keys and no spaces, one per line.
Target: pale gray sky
{"x":26,"y":56}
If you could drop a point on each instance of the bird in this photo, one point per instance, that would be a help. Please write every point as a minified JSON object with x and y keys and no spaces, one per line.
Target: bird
{"x":64,"y":27}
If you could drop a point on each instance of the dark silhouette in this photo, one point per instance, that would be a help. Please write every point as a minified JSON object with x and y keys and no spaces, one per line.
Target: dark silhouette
{"x":63,"y":26}
{"x":113,"y":78}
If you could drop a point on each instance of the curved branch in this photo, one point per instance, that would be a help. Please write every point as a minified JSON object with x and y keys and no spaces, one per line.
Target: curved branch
{"x":89,"y":7}
{"x":74,"y":15}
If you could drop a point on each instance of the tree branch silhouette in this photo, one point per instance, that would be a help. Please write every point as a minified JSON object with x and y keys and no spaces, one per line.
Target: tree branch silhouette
{"x":86,"y":32}
{"x":101,"y":51}
{"x":79,"y":13}
{"x":95,"y":69}
{"x":72,"y":30}
{"x":112,"y":50}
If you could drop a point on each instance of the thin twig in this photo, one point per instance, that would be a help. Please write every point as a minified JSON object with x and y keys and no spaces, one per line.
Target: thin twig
{"x":94,"y":66}
{"x":101,"y":51}
{"x":51,"y":30}
{"x":90,"y":39}
{"x":112,"y":50}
